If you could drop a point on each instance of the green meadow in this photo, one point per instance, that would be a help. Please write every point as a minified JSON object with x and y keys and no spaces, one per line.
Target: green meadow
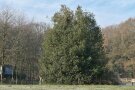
{"x":65,"y":87}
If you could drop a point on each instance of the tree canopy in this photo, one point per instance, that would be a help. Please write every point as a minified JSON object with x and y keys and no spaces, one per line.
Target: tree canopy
{"x":73,"y":50}
{"x":120,"y":47}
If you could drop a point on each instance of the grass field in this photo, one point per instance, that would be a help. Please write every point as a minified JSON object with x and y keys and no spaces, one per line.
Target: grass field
{"x":65,"y":87}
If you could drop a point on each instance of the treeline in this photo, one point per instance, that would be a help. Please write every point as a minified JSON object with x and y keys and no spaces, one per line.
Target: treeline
{"x":120,"y":48}
{"x":70,"y":51}
{"x":20,"y":44}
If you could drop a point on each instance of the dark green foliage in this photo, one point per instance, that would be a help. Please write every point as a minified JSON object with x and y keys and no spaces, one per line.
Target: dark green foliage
{"x":73,"y":50}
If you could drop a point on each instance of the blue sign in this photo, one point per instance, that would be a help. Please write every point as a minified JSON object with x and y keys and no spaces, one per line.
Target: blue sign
{"x":7,"y":70}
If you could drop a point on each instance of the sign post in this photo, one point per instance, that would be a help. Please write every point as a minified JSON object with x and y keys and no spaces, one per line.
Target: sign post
{"x":1,"y":73}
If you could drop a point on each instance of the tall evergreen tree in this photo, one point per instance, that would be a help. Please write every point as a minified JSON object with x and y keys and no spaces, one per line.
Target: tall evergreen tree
{"x":73,"y":49}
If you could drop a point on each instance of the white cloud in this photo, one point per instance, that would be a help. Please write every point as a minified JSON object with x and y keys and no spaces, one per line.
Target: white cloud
{"x":124,"y":3}
{"x":17,"y":2}
{"x":106,"y":11}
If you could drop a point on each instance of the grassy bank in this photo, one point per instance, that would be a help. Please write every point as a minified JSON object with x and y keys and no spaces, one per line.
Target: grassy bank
{"x":65,"y":87}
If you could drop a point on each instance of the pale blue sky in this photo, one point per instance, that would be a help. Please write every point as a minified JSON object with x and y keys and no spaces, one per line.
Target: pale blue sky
{"x":107,"y":12}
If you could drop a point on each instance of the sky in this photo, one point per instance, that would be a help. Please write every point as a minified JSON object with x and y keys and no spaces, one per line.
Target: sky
{"x":107,"y":12}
